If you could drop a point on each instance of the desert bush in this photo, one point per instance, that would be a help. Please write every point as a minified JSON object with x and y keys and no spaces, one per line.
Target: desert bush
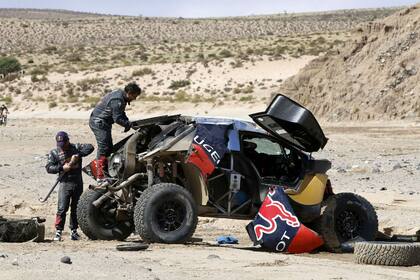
{"x":9,"y":65}
{"x":91,"y":99}
{"x":225,"y":53}
{"x":142,"y":72}
{"x":181,"y":96}
{"x":72,"y":99}
{"x":86,"y":84}
{"x":38,"y":71}
{"x":236,"y":64}
{"x":50,"y":50}
{"x":248,"y":89}
{"x":179,"y":84}
{"x":118,"y":56}
{"x":6,"y":99}
{"x":246,"y":98}
{"x":52,"y":104}
{"x":249,"y":51}
{"x":74,"y":57}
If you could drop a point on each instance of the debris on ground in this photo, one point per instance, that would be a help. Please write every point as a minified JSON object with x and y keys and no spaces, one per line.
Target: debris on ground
{"x":227,"y":239}
{"x":66,"y":259}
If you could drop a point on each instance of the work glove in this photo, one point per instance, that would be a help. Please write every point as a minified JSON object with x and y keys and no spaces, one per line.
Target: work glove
{"x":128,"y":127}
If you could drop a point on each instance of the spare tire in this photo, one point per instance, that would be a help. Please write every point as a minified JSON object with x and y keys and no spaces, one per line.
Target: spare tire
{"x":165,"y":213}
{"x":346,"y":217}
{"x":132,"y":246}
{"x":22,"y":230}
{"x":387,"y":253}
{"x":101,"y":223}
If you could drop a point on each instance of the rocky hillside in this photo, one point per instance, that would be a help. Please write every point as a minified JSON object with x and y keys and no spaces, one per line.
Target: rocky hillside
{"x":37,"y":29}
{"x":376,"y":76}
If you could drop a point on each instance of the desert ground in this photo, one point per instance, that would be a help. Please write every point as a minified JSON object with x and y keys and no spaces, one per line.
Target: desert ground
{"x":320,"y":59}
{"x":380,"y":161}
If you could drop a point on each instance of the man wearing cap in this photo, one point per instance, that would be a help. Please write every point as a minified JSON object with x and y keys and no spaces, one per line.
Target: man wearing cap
{"x":67,"y":159}
{"x":109,"y":110}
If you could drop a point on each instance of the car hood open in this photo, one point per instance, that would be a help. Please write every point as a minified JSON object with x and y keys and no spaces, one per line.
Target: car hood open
{"x":291,"y":122}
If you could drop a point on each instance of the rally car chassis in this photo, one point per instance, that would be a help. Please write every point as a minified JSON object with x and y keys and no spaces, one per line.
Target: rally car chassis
{"x":156,"y":192}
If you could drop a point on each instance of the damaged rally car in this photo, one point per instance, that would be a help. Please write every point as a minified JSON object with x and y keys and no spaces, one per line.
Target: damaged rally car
{"x":176,"y":168}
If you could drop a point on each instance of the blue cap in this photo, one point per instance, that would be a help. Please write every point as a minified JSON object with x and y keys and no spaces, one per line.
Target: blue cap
{"x":62,"y":138}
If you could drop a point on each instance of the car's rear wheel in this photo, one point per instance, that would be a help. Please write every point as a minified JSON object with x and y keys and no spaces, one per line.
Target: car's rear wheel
{"x":165,"y":213}
{"x":346,"y":217}
{"x":102,"y":223}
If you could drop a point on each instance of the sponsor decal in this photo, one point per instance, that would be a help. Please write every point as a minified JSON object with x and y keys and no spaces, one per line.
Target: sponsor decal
{"x":277,"y":228}
{"x":270,"y":211}
{"x":208,"y":147}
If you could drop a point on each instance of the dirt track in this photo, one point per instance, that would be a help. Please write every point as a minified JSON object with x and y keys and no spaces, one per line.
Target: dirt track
{"x":365,"y":160}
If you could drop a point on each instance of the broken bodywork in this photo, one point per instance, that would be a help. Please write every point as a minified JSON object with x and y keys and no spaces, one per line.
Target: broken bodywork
{"x":174,"y":168}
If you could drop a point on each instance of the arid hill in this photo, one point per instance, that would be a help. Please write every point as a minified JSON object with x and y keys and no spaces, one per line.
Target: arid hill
{"x":44,"y":14}
{"x":376,"y":76}
{"x":25,"y":30}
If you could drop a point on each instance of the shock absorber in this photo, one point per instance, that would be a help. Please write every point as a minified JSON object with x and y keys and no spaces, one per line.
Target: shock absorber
{"x":150,"y":173}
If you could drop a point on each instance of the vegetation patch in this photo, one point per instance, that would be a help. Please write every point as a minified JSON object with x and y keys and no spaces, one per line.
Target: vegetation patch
{"x":9,"y":65}
{"x":179,"y":84}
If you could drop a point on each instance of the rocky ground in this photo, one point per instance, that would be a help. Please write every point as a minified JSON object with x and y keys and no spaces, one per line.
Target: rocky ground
{"x":380,"y":161}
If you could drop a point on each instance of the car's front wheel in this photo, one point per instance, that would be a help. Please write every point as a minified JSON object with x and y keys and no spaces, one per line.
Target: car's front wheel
{"x":165,"y":213}
{"x":102,"y":222}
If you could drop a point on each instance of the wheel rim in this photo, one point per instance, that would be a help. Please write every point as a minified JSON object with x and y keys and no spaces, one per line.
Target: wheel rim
{"x":106,"y":215}
{"x":348,"y":224}
{"x":170,"y":215}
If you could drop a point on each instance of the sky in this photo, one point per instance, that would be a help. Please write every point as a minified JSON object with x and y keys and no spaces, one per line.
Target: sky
{"x":199,"y":8}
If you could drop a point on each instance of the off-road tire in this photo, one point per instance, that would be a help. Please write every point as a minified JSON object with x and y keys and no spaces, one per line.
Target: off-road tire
{"x":41,"y":233}
{"x":132,"y":246}
{"x":327,"y":225}
{"x":147,"y":209}
{"x":87,"y":217}
{"x":387,"y":253}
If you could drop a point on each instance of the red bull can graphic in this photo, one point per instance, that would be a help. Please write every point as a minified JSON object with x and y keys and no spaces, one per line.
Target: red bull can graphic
{"x":277,"y":228}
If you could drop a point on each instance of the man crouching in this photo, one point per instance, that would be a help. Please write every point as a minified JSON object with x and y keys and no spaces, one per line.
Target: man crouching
{"x":66,"y":160}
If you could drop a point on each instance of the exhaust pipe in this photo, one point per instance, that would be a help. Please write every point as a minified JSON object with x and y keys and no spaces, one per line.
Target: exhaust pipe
{"x":97,"y":203}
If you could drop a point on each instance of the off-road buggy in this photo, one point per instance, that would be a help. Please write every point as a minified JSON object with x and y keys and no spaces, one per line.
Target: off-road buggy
{"x":175,"y":168}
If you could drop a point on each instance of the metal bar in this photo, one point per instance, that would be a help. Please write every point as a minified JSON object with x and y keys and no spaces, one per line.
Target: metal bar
{"x":240,"y":207}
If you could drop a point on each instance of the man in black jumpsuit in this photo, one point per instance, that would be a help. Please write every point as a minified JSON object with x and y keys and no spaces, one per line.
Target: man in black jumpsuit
{"x":67,"y":159}
{"x":111,"y":109}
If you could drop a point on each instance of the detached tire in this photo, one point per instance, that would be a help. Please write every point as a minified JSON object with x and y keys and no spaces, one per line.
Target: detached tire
{"x":345,"y":217}
{"x":165,"y":213}
{"x":41,"y":233}
{"x":132,"y":246}
{"x":387,"y":253}
{"x":101,"y":223}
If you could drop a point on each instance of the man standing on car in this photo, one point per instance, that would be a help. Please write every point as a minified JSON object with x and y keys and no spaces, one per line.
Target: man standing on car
{"x":66,"y":160}
{"x":109,"y":110}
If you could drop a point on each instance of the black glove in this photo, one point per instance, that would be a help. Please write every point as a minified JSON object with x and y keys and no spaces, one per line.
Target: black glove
{"x":128,"y":127}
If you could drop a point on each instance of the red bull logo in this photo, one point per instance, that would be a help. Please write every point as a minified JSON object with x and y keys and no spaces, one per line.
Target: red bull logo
{"x":269,"y":212}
